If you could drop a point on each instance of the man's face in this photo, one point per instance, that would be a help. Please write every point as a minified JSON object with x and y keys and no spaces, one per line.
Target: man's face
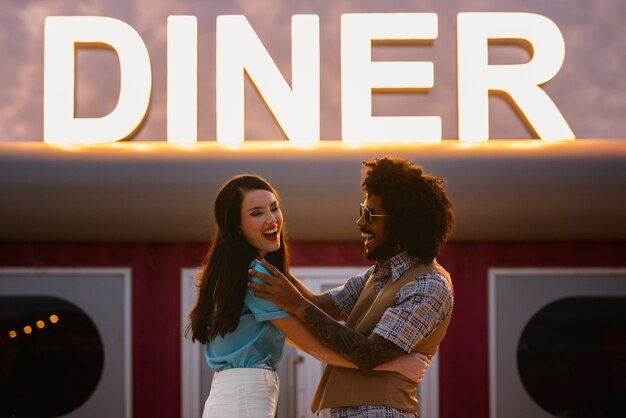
{"x":377,"y":246}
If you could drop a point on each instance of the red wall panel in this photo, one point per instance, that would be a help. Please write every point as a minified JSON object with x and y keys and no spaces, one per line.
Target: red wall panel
{"x":156,"y":304}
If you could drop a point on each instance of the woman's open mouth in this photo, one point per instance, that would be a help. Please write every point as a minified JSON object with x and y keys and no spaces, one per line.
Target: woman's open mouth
{"x":271,"y":234}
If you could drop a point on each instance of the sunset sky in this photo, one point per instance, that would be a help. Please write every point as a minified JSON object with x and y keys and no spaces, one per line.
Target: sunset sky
{"x":589,"y":90}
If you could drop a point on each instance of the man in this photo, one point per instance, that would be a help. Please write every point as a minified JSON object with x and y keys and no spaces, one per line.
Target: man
{"x":400,"y":305}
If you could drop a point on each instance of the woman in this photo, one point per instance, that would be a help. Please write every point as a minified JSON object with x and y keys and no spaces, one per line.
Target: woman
{"x":244,"y":335}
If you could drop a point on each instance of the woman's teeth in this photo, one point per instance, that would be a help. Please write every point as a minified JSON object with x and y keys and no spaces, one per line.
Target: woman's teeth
{"x":271,"y":232}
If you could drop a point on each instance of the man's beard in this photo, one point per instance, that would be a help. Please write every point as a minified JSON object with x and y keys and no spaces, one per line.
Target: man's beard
{"x":381,"y":252}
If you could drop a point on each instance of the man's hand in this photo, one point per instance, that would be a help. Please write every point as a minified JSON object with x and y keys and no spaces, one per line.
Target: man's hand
{"x":277,"y":289}
{"x":413,"y":366}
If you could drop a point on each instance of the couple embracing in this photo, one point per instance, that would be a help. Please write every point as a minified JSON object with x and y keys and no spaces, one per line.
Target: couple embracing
{"x":396,"y":313}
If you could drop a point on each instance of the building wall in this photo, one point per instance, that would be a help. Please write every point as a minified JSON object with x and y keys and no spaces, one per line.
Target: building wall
{"x":464,"y":373}
{"x":464,"y":370}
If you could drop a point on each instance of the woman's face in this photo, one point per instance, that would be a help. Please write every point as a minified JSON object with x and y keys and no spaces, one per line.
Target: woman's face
{"x":261,"y":220}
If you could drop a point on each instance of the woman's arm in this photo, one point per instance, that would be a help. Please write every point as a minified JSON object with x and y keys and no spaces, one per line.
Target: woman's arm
{"x":413,"y":366}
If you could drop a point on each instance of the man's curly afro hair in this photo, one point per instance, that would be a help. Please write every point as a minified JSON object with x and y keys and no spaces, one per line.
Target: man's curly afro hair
{"x":419,"y":214}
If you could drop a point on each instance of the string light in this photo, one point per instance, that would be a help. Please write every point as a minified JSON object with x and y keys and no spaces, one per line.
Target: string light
{"x":39,"y":324}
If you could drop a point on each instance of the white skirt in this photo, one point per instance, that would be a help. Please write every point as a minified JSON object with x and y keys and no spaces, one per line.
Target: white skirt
{"x":242,"y":393}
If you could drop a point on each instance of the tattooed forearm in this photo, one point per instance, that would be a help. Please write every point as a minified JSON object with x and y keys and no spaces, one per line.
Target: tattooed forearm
{"x":331,"y":310}
{"x":325,"y":303}
{"x":355,"y":347}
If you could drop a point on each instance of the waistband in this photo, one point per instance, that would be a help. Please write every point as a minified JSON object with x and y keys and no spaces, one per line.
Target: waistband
{"x":245,"y":374}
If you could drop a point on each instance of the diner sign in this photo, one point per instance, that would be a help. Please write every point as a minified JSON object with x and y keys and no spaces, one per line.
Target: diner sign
{"x":296,"y":107}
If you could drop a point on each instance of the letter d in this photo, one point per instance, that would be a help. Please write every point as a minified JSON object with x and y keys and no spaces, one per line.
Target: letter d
{"x":61,"y":35}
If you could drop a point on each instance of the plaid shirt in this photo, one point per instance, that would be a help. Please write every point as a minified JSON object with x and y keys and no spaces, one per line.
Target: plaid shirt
{"x":419,"y":307}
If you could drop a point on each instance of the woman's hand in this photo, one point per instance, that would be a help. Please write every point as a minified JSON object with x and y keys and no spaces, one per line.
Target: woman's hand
{"x":277,"y":289}
{"x":413,"y":366}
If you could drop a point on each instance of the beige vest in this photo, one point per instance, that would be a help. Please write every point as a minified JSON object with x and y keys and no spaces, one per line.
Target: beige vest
{"x":341,"y":387}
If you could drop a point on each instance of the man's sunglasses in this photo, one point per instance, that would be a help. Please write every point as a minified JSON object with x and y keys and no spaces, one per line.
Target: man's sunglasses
{"x":366,"y":214}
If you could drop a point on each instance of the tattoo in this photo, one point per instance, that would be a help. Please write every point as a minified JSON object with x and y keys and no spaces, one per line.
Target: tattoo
{"x":325,"y":303}
{"x":353,"y":346}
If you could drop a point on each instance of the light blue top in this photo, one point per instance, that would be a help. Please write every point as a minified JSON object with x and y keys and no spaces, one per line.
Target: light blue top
{"x":256,"y":342}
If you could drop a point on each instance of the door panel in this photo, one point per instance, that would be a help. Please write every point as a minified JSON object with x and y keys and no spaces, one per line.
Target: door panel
{"x":74,"y":343}
{"x":557,"y":342}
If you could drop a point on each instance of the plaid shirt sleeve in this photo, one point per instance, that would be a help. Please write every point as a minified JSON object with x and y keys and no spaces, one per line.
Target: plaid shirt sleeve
{"x":420,"y":306}
{"x":344,"y":297}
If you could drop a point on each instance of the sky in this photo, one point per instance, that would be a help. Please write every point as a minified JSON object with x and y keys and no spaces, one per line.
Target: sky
{"x":589,"y":90}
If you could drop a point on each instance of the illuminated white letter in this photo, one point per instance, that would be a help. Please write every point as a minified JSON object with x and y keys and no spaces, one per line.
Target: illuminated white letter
{"x":520,"y":81}
{"x":182,"y":80}
{"x":297,"y":110}
{"x":359,"y":75}
{"x":61,"y":35}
